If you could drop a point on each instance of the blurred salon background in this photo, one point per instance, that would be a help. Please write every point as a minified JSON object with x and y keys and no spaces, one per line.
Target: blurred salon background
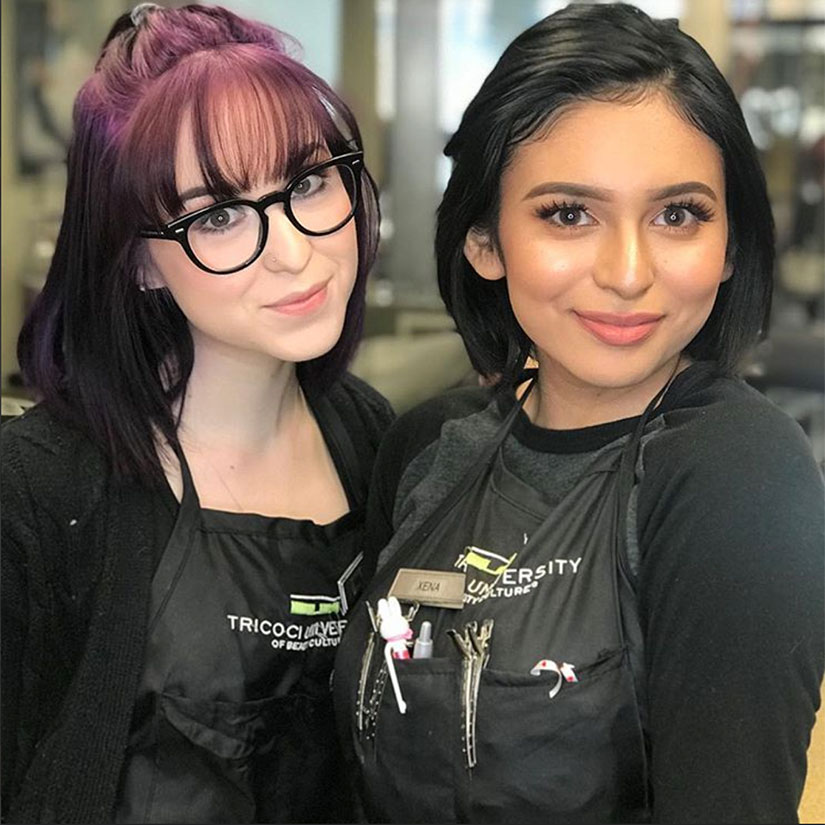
{"x":408,"y":68}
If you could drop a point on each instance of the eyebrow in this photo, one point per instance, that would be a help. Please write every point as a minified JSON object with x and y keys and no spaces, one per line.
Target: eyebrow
{"x":577,"y":190}
{"x":194,"y":192}
{"x":296,"y":163}
{"x":682,"y":189}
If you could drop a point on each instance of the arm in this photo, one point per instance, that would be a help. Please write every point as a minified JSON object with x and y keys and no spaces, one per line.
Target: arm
{"x":18,"y":539}
{"x":731,"y":600}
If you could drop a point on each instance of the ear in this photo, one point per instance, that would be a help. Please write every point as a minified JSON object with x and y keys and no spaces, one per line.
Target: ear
{"x":727,"y":272}
{"x":149,"y":275}
{"x":480,"y":251}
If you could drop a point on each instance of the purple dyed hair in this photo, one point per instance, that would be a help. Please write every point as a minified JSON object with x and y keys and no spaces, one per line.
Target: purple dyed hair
{"x":97,"y":350}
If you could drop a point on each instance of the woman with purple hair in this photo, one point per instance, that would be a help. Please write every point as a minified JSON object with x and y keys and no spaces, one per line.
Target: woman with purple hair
{"x":182,"y":510}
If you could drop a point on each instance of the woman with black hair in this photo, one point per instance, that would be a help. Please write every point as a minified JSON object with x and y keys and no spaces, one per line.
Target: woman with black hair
{"x":618,"y":553}
{"x":182,"y":512}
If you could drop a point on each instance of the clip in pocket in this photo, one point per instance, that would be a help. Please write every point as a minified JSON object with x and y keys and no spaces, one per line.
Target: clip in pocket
{"x":474,"y":647}
{"x":375,"y":670}
{"x":564,"y":672}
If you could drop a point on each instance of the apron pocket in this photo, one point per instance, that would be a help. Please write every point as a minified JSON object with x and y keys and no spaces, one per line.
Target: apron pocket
{"x":229,"y":730}
{"x":409,"y":770}
{"x":539,"y":753}
{"x":256,"y":761}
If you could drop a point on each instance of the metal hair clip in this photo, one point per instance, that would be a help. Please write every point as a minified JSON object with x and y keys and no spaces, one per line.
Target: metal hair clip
{"x":140,"y":11}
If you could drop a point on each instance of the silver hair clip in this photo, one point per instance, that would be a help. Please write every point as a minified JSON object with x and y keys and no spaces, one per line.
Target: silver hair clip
{"x":140,"y":11}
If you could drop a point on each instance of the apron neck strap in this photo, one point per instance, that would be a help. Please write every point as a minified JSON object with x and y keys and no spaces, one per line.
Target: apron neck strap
{"x":352,"y":472}
{"x":189,"y":495}
{"x":627,"y":466}
{"x":532,"y":376}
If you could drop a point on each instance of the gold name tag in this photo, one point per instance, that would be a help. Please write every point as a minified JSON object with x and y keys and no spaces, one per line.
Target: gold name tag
{"x":432,"y":588}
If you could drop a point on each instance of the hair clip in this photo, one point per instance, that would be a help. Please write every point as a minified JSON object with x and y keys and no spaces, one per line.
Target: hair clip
{"x":140,"y":11}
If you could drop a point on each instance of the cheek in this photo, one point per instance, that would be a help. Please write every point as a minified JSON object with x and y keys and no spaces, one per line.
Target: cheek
{"x":546,"y":271}
{"x":346,"y":249}
{"x":197,"y":293}
{"x":694,"y":273}
{"x":171,"y":266}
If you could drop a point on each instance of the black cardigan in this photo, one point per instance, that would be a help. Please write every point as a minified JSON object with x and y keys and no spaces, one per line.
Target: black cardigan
{"x":74,"y":611}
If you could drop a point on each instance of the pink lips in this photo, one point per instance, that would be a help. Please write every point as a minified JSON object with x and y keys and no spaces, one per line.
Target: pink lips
{"x":300,"y":303}
{"x":619,"y":330}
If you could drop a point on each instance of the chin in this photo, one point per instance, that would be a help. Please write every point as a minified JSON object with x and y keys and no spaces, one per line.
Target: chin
{"x":310,"y":345}
{"x":616,"y":373}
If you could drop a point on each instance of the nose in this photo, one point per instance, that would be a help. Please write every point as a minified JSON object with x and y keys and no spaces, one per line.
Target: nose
{"x":287,"y":249}
{"x":624,"y":264}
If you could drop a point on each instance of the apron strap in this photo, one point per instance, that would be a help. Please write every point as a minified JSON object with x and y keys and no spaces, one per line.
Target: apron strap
{"x":353,"y":472}
{"x":176,"y":553}
{"x":631,"y":630}
{"x":627,"y":470}
{"x":479,"y":465}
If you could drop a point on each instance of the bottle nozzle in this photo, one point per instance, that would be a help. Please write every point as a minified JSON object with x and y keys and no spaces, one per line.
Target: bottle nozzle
{"x":423,"y":647}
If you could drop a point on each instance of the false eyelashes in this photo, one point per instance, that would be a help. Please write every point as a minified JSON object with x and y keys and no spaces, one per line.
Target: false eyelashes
{"x":573,"y":212}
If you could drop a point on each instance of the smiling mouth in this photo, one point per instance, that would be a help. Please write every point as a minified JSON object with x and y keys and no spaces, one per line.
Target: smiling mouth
{"x":619,"y":330}
{"x":302,"y":302}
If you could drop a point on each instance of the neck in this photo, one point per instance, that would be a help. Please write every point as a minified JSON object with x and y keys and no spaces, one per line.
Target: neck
{"x":560,"y":401}
{"x":238,"y":400}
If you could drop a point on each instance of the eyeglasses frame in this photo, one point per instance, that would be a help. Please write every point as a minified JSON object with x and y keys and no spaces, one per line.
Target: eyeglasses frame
{"x":178,"y":229}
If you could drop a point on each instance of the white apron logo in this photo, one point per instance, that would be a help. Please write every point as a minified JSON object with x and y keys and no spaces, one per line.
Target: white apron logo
{"x":491,"y":576}
{"x":288,"y":636}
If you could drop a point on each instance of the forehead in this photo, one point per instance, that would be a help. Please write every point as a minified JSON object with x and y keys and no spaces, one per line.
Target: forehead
{"x":624,"y":147}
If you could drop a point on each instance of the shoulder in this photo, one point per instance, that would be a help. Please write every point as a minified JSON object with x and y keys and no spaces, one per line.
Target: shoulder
{"x":361,"y":405}
{"x":421,"y":426}
{"x":419,"y":430}
{"x":406,"y":454}
{"x":50,"y":461}
{"x":734,"y":478}
{"x":724,"y":428}
{"x":37,"y":433}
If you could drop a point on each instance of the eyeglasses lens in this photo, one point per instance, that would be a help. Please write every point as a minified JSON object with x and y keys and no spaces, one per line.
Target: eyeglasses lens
{"x":225,"y":238}
{"x":324,"y":200}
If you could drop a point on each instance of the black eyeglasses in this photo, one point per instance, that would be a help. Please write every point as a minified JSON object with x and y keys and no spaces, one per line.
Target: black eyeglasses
{"x":227,"y":236}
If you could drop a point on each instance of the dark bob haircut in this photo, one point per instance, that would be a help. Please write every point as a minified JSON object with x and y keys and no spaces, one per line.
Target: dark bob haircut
{"x":611,"y":52}
{"x":112,"y":358}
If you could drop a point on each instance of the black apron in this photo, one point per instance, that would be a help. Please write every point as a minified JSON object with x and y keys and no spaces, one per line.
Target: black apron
{"x":233,"y":721}
{"x":546,"y":723}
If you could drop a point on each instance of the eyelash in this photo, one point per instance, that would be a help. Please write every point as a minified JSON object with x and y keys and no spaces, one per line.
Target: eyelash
{"x":699,"y":211}
{"x":548,"y":210}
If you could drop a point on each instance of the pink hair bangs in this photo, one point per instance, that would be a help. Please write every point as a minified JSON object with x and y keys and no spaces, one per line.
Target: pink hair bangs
{"x":254,"y":115}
